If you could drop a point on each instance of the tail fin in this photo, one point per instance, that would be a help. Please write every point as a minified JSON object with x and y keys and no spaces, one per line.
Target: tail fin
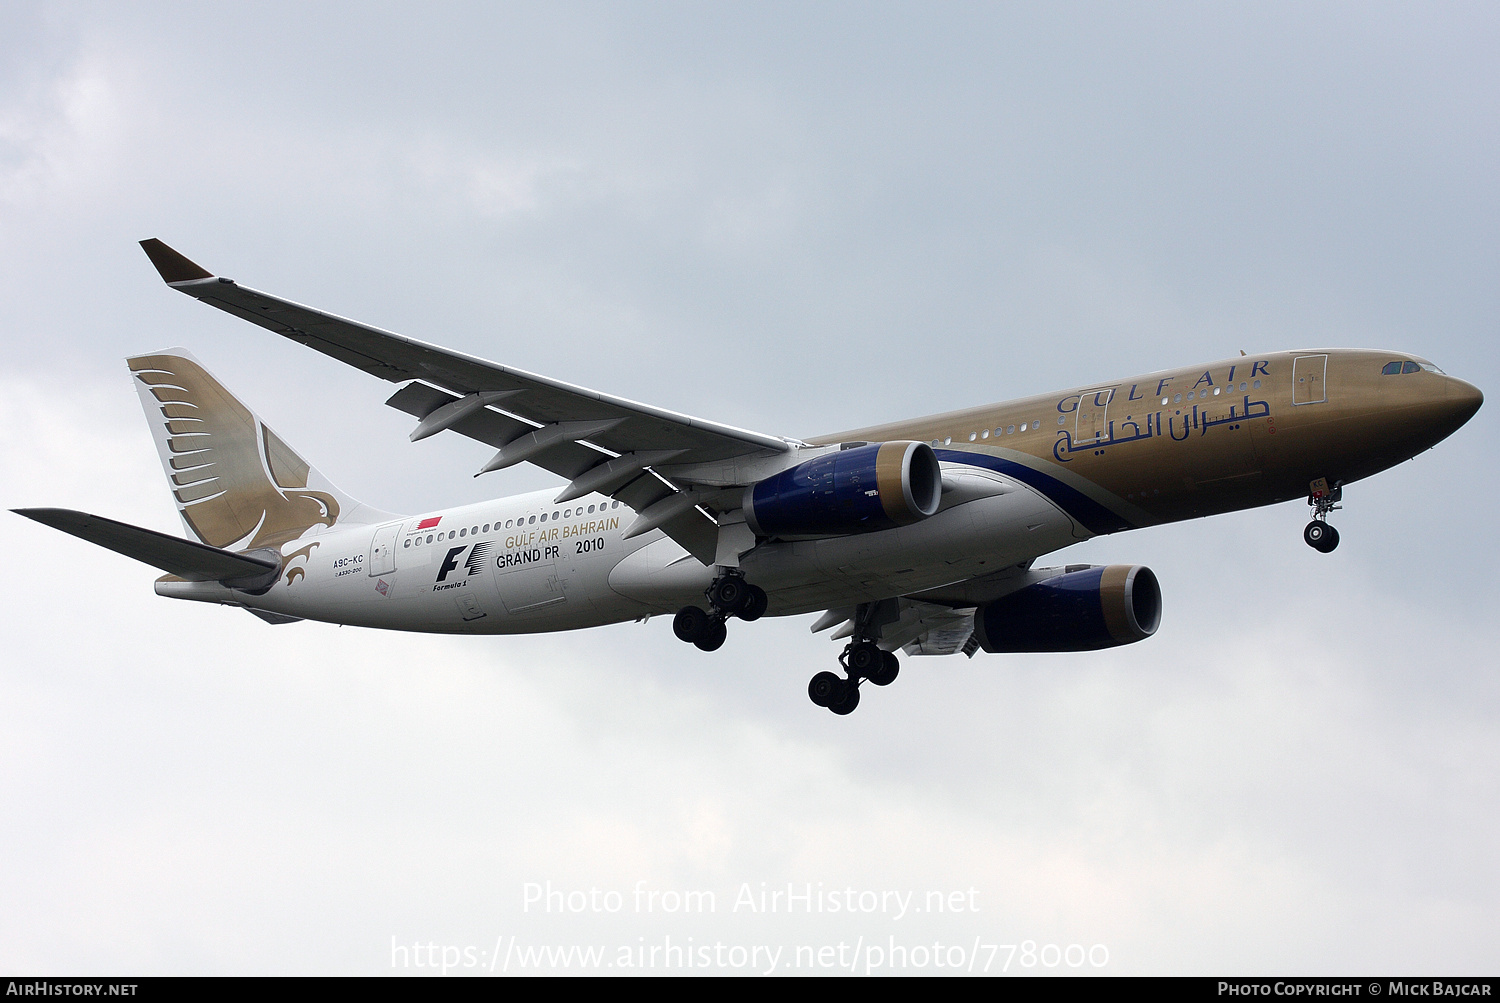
{"x":238,"y":486}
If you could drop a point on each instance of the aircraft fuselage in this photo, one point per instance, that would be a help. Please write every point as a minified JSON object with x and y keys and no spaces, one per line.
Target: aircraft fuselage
{"x":1021,"y":479}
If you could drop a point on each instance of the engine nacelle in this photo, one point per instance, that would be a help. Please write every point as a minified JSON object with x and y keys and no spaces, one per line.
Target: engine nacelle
{"x":1097,"y":608}
{"x":877,"y":486}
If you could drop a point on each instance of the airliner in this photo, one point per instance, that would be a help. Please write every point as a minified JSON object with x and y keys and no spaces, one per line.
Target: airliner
{"x":918,"y":536}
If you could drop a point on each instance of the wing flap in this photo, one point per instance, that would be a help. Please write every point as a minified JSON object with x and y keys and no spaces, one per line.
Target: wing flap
{"x":694,"y":531}
{"x":566,"y":459}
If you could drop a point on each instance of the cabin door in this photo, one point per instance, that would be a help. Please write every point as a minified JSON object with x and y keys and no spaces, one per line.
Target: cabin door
{"x":383,"y":550}
{"x":1309,"y":375}
{"x":1093,"y":417}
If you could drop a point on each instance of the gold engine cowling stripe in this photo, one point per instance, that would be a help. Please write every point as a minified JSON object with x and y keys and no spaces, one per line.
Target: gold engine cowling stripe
{"x":1112,"y":598}
{"x":1118,"y":619}
{"x":890,"y":461}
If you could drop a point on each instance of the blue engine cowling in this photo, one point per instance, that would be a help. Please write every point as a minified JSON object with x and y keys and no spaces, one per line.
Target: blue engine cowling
{"x":876,"y":486}
{"x":1096,"y":608}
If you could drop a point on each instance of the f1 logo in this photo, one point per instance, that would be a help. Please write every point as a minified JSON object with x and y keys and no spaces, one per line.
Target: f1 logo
{"x":474,"y":564}
{"x":450,"y":562}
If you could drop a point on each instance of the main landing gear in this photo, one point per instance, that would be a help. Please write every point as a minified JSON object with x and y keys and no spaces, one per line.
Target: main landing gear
{"x":861,"y":659}
{"x":1318,"y":534}
{"x":729,"y":595}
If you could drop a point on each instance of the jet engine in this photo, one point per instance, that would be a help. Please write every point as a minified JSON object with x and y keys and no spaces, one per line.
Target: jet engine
{"x":1100,"y":607}
{"x":858,"y":489}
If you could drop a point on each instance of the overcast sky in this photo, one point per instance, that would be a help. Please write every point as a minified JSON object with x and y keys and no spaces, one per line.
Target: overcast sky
{"x":795,"y":218}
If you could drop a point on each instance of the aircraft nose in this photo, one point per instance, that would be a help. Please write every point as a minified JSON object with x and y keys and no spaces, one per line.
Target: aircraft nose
{"x":1448,"y":413}
{"x":1461,"y":401}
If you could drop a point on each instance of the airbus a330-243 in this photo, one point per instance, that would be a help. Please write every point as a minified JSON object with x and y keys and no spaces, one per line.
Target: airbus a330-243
{"x":918,"y":536}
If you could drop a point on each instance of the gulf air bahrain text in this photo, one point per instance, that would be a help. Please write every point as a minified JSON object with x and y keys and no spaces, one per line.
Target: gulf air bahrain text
{"x":919,"y":536}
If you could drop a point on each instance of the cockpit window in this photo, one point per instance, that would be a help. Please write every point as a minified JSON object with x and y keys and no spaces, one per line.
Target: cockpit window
{"x":1407,"y":366}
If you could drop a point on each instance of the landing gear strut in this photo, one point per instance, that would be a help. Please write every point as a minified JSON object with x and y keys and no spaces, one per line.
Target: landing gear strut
{"x":861,"y":659}
{"x":729,"y":595}
{"x":1318,"y":534}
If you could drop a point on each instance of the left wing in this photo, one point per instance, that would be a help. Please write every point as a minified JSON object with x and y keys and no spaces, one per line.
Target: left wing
{"x":600,"y":443}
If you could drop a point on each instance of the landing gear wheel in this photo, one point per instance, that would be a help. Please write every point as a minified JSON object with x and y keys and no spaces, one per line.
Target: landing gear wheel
{"x":826,"y":689}
{"x":729,"y":595}
{"x":713,"y":636}
{"x":755,"y":605}
{"x":865,"y":660}
{"x":890,"y":665}
{"x":846,"y":705}
{"x":690,"y":623}
{"x":1320,"y":536}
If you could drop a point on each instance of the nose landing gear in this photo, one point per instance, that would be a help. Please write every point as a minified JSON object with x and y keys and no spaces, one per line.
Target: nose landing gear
{"x":1318,"y":534}
{"x":729,"y":595}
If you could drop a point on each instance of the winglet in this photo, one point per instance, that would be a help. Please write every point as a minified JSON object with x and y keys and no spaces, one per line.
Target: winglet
{"x":172,"y":266}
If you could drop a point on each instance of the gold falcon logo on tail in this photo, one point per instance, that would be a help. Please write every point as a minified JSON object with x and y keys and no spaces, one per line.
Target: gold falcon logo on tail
{"x":237,"y":484}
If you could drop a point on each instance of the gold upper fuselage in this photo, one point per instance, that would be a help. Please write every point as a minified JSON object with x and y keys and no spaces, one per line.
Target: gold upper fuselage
{"x":1199,"y":440}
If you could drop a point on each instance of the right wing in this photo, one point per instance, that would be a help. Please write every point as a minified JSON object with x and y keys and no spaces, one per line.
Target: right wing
{"x":916,"y":627}
{"x":599,"y":442}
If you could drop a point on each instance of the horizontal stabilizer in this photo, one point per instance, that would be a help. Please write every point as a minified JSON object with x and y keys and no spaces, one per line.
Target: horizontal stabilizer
{"x":195,"y":562}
